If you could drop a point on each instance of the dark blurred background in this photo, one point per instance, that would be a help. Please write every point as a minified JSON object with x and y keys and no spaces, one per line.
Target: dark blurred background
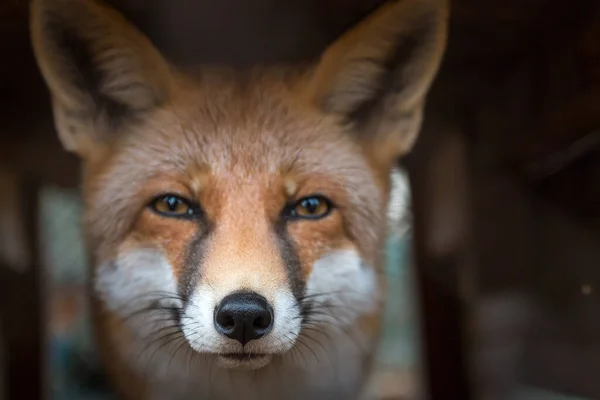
{"x":505,"y":186}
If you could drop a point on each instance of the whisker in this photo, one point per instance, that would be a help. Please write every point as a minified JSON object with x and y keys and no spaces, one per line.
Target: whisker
{"x":182,"y":342}
{"x":150,"y":343}
{"x":298,"y":340}
{"x":175,"y":336}
{"x":315,"y":340}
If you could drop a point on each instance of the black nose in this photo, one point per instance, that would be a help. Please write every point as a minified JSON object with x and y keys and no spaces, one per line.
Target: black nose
{"x":244,"y":316}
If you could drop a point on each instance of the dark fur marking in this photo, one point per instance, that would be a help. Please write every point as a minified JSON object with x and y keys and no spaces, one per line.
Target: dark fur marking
{"x":291,"y":260}
{"x":194,"y":259}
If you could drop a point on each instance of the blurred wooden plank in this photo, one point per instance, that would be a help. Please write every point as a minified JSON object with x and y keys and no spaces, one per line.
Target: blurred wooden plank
{"x":22,"y":299}
{"x":439,"y":189}
{"x":538,"y":154}
{"x":568,"y":87}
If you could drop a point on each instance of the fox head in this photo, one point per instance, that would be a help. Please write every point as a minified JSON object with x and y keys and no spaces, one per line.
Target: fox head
{"x":239,"y":209}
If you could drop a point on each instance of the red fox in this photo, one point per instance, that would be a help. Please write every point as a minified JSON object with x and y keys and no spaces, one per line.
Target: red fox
{"x":236,"y":219}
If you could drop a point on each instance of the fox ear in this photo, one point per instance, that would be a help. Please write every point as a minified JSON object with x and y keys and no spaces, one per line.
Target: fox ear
{"x":376,"y":76}
{"x":101,"y":71}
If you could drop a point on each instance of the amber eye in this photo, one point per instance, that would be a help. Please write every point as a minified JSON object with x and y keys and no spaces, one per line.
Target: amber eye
{"x":172,"y":206}
{"x":312,"y":207}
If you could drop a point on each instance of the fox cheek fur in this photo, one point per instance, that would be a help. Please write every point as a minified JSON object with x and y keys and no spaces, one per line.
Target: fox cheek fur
{"x":236,"y":219}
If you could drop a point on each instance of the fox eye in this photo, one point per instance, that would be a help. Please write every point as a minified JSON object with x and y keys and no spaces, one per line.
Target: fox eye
{"x":312,"y":207}
{"x":172,"y":206}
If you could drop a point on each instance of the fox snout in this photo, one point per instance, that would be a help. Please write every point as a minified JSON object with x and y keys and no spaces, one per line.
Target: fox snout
{"x":233,"y":320}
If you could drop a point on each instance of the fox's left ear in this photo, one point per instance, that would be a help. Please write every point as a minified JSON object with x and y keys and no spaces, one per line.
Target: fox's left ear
{"x":376,"y":76}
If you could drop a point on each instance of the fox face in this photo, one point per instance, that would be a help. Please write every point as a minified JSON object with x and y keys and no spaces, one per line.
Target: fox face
{"x":255,"y":230}
{"x":243,"y":212}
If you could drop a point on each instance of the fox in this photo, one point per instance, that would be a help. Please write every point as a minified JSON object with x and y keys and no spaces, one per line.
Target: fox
{"x":235,"y":219}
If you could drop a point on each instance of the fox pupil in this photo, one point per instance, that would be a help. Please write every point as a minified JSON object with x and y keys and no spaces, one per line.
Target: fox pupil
{"x":172,"y":203}
{"x":311,"y":205}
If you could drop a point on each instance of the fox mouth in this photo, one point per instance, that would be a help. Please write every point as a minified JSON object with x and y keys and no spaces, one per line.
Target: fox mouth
{"x":247,"y":361}
{"x":243,"y":356}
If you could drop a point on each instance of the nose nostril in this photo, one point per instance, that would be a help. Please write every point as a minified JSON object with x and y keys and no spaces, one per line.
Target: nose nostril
{"x":259,"y":323}
{"x":227,"y":321}
{"x":262,"y":322}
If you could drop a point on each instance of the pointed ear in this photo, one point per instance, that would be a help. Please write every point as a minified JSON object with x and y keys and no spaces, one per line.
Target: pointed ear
{"x":100,"y":70}
{"x":376,"y":76}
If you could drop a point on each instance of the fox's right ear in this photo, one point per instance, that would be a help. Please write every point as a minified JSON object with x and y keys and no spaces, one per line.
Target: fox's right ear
{"x":101,"y":71}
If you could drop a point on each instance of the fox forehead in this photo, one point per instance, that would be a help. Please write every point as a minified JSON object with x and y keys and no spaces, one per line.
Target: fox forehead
{"x":235,"y":127}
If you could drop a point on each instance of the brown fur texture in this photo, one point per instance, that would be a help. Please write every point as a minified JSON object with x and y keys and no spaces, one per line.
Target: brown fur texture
{"x":242,"y":145}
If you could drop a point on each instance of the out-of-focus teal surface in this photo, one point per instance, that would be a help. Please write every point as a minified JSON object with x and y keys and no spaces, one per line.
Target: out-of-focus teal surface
{"x":399,"y":342}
